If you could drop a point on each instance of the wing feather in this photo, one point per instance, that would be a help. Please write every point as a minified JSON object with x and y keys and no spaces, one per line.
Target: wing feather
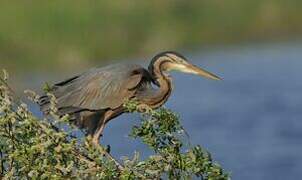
{"x":101,"y":88}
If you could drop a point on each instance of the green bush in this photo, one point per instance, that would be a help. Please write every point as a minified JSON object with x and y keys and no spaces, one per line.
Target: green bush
{"x":33,"y":148}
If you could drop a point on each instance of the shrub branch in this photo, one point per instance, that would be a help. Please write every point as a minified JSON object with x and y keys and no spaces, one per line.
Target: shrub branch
{"x":39,"y":148}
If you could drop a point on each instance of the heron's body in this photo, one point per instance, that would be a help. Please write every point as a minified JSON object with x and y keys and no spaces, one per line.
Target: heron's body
{"x":95,"y":97}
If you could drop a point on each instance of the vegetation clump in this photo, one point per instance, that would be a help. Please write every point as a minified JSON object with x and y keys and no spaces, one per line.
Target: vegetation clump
{"x":34,"y":148}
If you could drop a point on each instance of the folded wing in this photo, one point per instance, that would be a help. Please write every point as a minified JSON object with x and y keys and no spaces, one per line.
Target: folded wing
{"x":97,"y":89}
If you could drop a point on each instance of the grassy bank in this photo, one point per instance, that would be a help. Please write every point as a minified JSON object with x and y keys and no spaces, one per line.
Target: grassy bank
{"x":36,"y":34}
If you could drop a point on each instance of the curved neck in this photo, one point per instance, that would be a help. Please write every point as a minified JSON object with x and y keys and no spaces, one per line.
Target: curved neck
{"x":164,"y":83}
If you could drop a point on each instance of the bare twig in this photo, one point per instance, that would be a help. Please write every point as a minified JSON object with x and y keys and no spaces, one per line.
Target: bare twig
{"x":9,"y":88}
{"x":93,"y":166}
{"x":107,"y":155}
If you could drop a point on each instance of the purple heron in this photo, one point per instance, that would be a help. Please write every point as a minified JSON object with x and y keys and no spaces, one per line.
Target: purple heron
{"x":95,"y":97}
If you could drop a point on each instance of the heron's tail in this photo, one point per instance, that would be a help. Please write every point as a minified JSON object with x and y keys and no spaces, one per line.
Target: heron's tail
{"x":44,"y":103}
{"x":82,"y":118}
{"x":45,"y":106}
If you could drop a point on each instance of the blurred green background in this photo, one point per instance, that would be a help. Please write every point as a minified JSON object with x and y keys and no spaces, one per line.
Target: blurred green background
{"x":251,"y":121}
{"x":40,"y":35}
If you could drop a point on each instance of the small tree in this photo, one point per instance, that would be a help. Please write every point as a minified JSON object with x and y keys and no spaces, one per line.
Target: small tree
{"x":33,"y":148}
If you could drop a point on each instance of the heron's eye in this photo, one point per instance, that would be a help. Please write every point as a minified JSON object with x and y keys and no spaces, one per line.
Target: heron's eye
{"x":181,"y":61}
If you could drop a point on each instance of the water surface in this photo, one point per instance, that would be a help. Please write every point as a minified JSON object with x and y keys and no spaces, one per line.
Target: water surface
{"x":251,"y":121}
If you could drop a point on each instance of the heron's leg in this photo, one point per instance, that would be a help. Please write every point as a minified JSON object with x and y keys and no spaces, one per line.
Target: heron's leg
{"x":99,"y":131}
{"x":98,"y":134}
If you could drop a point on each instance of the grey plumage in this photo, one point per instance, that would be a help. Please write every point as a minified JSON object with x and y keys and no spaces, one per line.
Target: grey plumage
{"x":97,"y":96}
{"x":96,"y":90}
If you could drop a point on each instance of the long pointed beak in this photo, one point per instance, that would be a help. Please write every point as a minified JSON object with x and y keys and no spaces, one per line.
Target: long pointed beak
{"x":201,"y":72}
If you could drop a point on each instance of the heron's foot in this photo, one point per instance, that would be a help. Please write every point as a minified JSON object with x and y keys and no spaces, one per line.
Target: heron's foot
{"x":96,"y":140}
{"x":144,"y":108}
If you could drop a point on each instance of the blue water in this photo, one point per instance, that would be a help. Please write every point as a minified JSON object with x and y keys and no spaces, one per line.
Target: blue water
{"x":251,"y":121}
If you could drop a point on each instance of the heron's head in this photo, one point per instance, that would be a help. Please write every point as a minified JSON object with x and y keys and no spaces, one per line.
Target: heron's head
{"x":169,"y":61}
